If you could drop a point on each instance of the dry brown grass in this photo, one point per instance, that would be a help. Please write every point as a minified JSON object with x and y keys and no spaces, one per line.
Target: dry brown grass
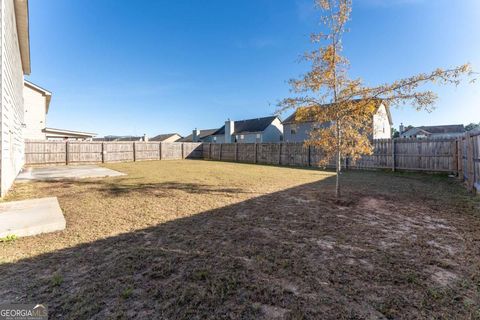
{"x":195,"y":239}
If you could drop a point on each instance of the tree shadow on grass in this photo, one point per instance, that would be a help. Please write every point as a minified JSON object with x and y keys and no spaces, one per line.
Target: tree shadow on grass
{"x":192,"y":188}
{"x":290,"y":254}
{"x":120,"y":188}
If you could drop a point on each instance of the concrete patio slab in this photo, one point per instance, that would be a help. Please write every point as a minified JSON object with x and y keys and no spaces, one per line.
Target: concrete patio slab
{"x":66,"y":172}
{"x":30,"y":217}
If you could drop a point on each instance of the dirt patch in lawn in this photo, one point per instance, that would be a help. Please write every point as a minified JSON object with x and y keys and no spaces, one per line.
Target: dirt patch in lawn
{"x":193,"y":239}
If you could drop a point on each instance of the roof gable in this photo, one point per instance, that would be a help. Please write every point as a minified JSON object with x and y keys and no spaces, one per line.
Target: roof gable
{"x":47,"y":94}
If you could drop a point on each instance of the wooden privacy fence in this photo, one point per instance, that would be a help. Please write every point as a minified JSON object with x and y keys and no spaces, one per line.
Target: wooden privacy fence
{"x":436,"y":155}
{"x":468,"y":159}
{"x":78,"y":152}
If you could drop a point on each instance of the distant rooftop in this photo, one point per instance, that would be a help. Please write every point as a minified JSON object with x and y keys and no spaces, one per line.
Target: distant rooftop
{"x":249,"y":125}
{"x":165,"y":136}
{"x":454,"y":128}
{"x":203,"y":134}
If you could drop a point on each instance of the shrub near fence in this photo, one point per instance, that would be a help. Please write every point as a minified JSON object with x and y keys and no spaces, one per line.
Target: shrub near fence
{"x":78,"y":152}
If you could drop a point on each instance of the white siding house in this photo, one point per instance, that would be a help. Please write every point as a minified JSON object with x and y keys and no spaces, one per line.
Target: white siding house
{"x":382,"y":124}
{"x":299,"y":131}
{"x":37,"y":102}
{"x":15,"y":62}
{"x":36,"y":106}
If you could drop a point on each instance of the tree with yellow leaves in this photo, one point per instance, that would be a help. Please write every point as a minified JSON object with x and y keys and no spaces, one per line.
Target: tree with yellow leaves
{"x":343,"y":108}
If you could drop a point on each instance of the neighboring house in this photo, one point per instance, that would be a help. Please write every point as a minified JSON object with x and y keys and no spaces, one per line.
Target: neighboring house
{"x":433,"y":132}
{"x":36,"y":105}
{"x":267,"y":129}
{"x":62,"y":134}
{"x":167,"y":137}
{"x":299,"y":131}
{"x":122,"y":138}
{"x":15,"y":63}
{"x":204,"y":135}
{"x":37,"y":102}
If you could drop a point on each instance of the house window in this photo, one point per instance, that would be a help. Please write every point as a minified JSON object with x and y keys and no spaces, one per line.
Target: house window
{"x":293,"y":129}
{"x":242,"y":137}
{"x":214,"y":139}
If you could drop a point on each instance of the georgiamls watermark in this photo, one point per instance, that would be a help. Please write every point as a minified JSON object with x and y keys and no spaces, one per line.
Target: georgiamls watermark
{"x":23,"y":312}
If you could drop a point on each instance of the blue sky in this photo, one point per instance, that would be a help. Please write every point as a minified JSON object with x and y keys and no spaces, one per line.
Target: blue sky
{"x":123,"y":67}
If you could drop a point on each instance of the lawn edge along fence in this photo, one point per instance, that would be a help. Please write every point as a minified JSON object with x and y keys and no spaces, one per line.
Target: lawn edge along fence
{"x":459,"y":156}
{"x":41,"y":152}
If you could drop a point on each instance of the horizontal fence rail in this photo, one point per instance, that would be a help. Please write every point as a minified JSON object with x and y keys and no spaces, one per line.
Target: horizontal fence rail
{"x":41,"y":152}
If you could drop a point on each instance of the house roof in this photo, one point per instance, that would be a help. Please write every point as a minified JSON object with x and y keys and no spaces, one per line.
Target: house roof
{"x":379,"y":102}
{"x":23,"y":31}
{"x":162,"y":137}
{"x":249,"y":125}
{"x":455,"y":128}
{"x":68,"y":133}
{"x":47,"y":94}
{"x":120,"y":138}
{"x":203,"y":134}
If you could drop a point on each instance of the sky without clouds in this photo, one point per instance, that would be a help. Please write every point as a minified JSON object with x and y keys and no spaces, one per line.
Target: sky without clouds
{"x":122,"y":67}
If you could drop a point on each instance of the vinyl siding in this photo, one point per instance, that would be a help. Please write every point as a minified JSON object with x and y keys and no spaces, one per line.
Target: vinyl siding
{"x":12,"y":112}
{"x":35,"y":113}
{"x":274,"y":132}
{"x":302,"y":131}
{"x":381,"y":124}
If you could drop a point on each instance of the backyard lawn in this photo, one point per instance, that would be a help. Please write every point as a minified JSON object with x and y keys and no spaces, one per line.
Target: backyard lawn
{"x":199,"y":239}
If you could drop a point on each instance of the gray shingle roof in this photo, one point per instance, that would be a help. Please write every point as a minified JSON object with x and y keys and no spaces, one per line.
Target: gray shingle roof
{"x":442,"y":129}
{"x":249,"y":125}
{"x":119,"y":138}
{"x":203,"y":134}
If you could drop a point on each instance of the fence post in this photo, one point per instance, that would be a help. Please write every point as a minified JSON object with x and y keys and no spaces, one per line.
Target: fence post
{"x":393,"y":155}
{"x":309,"y":154}
{"x":221,"y":149}
{"x":183,"y":150}
{"x":134,"y":152}
{"x":67,"y":153}
{"x":280,"y":154}
{"x":160,"y":151}
{"x":455,"y":159}
{"x":470,"y":164}
{"x":255,"y":153}
{"x":236,"y":151}
{"x":103,"y":153}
